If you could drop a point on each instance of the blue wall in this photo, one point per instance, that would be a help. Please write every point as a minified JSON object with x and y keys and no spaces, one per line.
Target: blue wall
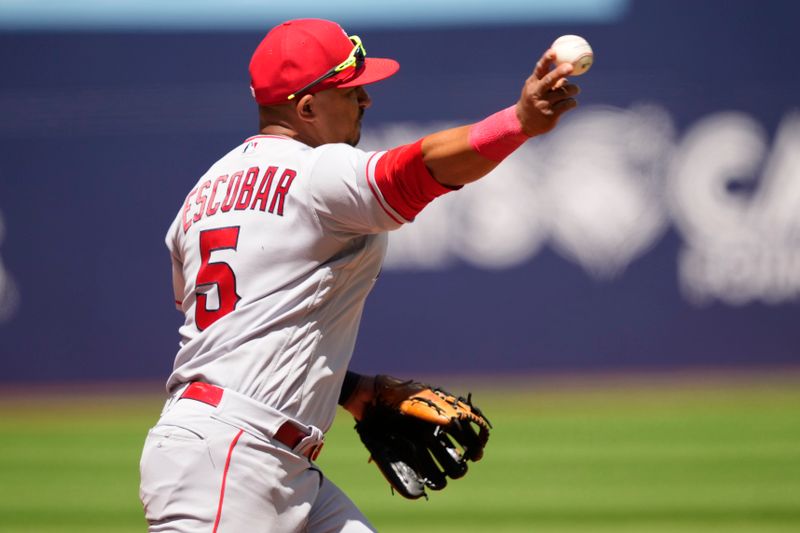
{"x":102,"y":134}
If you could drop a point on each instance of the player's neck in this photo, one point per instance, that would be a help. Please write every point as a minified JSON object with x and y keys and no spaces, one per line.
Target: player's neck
{"x":279,"y":129}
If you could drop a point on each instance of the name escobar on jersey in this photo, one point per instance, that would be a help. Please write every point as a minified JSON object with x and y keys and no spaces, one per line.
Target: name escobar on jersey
{"x":245,"y":190}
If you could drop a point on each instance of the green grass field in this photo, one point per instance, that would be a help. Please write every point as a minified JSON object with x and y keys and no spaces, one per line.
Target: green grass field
{"x":618,"y":456}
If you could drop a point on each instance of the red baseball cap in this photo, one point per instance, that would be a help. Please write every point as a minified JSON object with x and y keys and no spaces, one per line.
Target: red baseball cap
{"x":297,"y":52}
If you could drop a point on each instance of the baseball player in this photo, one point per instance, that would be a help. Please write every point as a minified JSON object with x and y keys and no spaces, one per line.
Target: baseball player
{"x":274,"y":251}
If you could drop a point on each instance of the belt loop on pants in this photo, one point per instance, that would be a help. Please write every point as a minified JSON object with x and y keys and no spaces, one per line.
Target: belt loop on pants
{"x":288,"y":433}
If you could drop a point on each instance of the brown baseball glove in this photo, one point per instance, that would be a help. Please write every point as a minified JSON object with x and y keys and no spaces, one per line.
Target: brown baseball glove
{"x":418,"y":436}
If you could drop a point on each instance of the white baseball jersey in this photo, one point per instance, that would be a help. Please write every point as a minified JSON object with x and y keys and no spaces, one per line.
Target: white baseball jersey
{"x":274,"y":252}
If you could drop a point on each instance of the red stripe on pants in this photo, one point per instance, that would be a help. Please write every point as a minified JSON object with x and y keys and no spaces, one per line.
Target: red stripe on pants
{"x":225,"y":477}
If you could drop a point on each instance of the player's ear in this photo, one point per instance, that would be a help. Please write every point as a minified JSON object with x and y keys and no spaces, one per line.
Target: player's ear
{"x":305,"y":108}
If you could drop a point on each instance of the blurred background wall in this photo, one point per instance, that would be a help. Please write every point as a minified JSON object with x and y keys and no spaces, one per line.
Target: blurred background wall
{"x":657,"y":228}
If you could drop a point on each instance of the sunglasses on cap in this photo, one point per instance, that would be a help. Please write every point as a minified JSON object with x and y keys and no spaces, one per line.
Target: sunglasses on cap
{"x":356,"y":59}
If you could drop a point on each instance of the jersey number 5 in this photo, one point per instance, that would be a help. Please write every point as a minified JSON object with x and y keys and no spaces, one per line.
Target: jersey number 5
{"x":217,"y":273}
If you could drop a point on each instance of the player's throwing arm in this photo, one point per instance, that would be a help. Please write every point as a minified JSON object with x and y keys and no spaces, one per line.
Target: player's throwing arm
{"x":462,"y":155}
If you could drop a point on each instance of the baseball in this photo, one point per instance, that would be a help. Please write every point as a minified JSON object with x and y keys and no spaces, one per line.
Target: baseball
{"x":573,"y":49}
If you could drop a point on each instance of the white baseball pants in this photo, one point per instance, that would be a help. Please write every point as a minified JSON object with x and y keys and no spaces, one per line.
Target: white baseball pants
{"x":201,"y":472}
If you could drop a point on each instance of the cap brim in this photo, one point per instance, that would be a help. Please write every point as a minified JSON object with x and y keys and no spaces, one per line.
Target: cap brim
{"x":375,"y":69}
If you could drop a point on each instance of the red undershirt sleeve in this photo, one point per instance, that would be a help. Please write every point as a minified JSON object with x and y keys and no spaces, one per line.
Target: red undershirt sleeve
{"x":405,"y":182}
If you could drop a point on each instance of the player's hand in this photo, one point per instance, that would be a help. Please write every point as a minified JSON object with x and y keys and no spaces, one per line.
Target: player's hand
{"x":546,"y":96}
{"x":362,"y":397}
